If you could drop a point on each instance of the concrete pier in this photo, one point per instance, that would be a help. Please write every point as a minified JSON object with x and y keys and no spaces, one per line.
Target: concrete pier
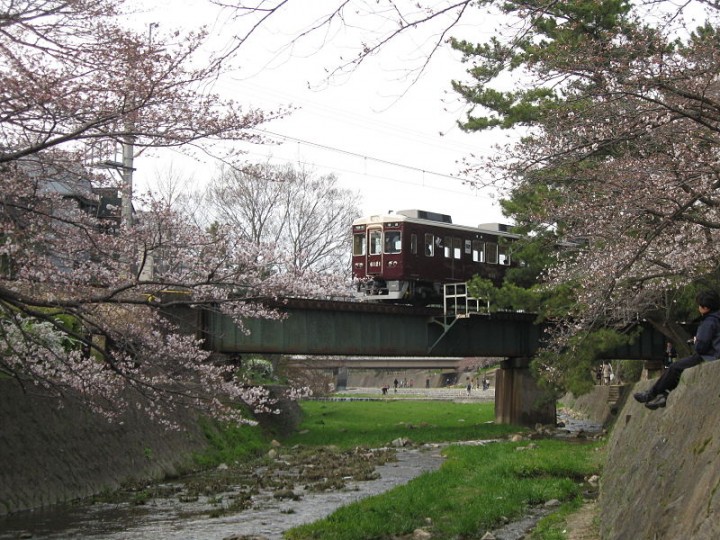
{"x":518,"y":398}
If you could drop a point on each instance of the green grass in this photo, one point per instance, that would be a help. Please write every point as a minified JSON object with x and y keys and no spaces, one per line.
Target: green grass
{"x":347,"y":424}
{"x":230,"y":443}
{"x":474,"y":491}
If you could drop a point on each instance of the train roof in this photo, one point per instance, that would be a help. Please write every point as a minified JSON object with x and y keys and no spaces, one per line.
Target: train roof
{"x":436,"y":219}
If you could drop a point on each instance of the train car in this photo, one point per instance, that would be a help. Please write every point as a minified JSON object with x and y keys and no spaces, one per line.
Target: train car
{"x":408,"y":256}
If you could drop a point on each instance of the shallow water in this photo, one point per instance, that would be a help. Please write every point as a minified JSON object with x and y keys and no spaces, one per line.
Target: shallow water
{"x":166,"y":518}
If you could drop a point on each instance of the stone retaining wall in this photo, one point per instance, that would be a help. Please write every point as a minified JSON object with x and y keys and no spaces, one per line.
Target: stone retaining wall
{"x":51,"y":454}
{"x":661,"y":478}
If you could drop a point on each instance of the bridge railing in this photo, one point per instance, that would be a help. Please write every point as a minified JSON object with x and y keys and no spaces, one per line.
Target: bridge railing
{"x":458,"y":303}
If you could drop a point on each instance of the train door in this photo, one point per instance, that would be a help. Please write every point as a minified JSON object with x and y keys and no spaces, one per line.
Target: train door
{"x":374,"y":259}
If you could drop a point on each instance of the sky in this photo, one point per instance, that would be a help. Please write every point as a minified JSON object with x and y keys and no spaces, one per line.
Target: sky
{"x":394,"y":141}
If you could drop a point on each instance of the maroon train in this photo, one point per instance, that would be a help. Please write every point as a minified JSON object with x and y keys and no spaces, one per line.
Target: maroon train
{"x":409,"y":255}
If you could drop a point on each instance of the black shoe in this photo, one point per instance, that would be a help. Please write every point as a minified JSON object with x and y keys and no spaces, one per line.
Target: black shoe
{"x":659,"y":401}
{"x":644,"y":397}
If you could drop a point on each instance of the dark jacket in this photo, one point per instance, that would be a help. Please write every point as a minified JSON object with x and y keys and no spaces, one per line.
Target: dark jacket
{"x":707,"y":338}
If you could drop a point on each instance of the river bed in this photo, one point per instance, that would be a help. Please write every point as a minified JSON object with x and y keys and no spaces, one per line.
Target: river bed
{"x":164,"y":518}
{"x":179,"y":510}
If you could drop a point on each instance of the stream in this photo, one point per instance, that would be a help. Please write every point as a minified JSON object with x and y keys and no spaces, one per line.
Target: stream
{"x":258,"y":504}
{"x":208,"y":518}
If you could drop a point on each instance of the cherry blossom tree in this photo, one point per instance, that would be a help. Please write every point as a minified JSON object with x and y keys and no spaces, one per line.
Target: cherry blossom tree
{"x":623,"y":123}
{"x":619,"y":165}
{"x":82,"y":293}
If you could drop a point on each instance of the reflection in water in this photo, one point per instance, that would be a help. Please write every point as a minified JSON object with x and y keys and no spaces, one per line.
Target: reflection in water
{"x":166,"y":518}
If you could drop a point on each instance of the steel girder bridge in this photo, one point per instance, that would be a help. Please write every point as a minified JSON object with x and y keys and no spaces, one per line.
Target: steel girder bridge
{"x":349,"y":334}
{"x":366,"y":330}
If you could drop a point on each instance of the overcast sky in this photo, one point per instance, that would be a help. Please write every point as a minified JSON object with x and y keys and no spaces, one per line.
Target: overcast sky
{"x":394,"y":141}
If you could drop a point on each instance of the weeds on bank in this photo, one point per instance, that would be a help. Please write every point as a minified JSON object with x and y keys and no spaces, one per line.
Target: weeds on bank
{"x":553,"y":527}
{"x":477,"y":489}
{"x":230,"y":443}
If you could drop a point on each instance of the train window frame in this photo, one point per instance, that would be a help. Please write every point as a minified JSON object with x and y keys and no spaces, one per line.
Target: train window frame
{"x":375,"y":242}
{"x":413,"y":243}
{"x":392,"y":242}
{"x":359,"y":241}
{"x":478,"y":247}
{"x":429,"y":245}
{"x":504,"y":255}
{"x":491,"y":252}
{"x":457,"y":248}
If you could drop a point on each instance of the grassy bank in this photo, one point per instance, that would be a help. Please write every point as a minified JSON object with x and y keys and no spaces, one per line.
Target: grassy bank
{"x":477,"y":488}
{"x":347,"y":424}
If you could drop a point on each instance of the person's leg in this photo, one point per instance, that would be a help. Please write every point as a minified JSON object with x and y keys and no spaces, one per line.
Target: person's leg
{"x":669,"y":378}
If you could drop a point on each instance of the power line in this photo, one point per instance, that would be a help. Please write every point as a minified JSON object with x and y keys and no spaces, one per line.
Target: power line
{"x":387,"y":178}
{"x":364,"y":156}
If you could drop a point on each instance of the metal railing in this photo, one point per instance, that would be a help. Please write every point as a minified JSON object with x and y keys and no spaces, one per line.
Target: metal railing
{"x":458,"y":304}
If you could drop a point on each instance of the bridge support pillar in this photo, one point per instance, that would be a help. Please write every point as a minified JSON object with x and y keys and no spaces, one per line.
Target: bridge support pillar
{"x":518,"y":398}
{"x":341,"y":378}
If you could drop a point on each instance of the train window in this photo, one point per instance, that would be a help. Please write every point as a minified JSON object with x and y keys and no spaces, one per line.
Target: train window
{"x":429,"y":245}
{"x":375,"y":242}
{"x":448,"y":247}
{"x":413,"y":244}
{"x":504,"y":255}
{"x":491,"y":248}
{"x":468,"y":249}
{"x":392,"y":242}
{"x":457,"y":248}
{"x":359,"y":243}
{"x":478,"y":251}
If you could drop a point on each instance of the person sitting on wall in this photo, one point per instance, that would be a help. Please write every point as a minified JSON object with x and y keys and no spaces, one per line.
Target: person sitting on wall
{"x":707,"y":347}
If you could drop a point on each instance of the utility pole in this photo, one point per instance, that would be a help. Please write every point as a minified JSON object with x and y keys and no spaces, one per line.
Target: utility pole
{"x":128,"y":149}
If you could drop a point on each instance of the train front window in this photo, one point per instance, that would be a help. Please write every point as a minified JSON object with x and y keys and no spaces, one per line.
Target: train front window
{"x":392,"y":242}
{"x":492,"y":252}
{"x":413,"y":244}
{"x":448,"y":247}
{"x":429,"y":245}
{"x":375,"y":242}
{"x":359,"y":244}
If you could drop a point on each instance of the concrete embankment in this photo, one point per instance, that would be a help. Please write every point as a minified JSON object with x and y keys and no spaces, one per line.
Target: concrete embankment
{"x":52,"y":452}
{"x":662,"y":474}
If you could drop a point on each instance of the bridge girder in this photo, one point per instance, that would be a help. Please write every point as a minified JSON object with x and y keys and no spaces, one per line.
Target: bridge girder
{"x":334,"y":329}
